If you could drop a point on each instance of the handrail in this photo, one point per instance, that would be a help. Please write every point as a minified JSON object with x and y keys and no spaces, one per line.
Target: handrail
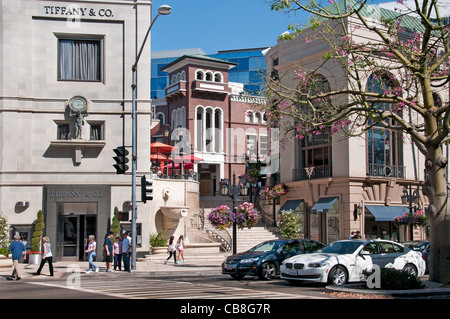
{"x":214,"y":233}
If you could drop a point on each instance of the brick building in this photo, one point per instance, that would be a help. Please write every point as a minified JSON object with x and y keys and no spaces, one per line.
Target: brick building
{"x":205,"y":115}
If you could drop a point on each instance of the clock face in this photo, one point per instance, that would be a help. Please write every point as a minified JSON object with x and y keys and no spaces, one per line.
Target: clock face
{"x":78,"y":104}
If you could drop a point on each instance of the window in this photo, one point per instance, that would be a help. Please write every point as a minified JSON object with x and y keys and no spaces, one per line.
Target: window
{"x":63,"y":132}
{"x":384,"y":146}
{"x":79,"y":60}
{"x":371,"y":248}
{"x":311,"y":246}
{"x":251,"y":145}
{"x":97,"y":132}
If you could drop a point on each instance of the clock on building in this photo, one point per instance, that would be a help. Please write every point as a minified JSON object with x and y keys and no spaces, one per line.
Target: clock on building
{"x":78,"y":104}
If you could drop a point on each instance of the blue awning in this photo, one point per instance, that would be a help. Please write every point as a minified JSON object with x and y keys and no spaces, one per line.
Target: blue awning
{"x":290,"y":204}
{"x":386,"y":213}
{"x":323,"y":205}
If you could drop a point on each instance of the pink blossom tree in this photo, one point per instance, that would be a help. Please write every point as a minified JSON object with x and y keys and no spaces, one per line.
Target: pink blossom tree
{"x":408,"y":49}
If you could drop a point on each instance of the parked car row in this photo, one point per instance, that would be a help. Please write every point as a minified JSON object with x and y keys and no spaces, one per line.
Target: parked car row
{"x":308,"y":260}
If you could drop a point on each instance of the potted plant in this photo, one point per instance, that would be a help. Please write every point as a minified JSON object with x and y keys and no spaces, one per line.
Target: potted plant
{"x":158,"y":243}
{"x":268,"y":193}
{"x":34,"y":256}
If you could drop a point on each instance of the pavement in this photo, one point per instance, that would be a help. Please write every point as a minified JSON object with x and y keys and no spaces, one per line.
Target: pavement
{"x":197,"y":267}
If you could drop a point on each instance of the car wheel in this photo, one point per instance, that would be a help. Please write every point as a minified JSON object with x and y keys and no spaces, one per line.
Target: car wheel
{"x":267,"y":271}
{"x":338,"y":275}
{"x":237,"y":277}
{"x":411,"y":269}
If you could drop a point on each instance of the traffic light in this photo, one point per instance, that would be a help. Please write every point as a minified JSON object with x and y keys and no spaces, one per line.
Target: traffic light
{"x":124,"y":216}
{"x":121,"y":159}
{"x":146,"y":189}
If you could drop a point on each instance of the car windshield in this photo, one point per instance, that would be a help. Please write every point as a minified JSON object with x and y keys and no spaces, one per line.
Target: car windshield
{"x":341,"y":247}
{"x":268,"y":246}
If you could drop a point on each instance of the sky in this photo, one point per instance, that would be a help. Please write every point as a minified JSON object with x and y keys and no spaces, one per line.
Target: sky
{"x":214,"y":25}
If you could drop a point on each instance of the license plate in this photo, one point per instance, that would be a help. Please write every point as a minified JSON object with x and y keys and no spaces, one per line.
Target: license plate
{"x":292,"y":272}
{"x":229,"y":267}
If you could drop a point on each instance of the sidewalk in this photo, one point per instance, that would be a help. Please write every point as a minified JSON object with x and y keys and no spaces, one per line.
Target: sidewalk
{"x":63,"y":269}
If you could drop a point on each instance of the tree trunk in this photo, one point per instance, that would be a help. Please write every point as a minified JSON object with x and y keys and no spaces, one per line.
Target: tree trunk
{"x":436,"y":191}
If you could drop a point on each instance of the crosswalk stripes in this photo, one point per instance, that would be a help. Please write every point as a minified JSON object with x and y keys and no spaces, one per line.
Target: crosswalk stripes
{"x":163,"y":289}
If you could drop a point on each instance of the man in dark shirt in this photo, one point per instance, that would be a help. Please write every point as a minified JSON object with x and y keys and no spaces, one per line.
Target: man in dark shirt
{"x":18,"y":251}
{"x":109,"y":251}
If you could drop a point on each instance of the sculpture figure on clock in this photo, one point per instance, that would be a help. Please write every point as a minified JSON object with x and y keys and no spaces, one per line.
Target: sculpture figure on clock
{"x":79,"y":124}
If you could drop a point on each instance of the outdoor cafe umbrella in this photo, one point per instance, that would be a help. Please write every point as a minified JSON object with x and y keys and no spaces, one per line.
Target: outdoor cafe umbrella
{"x":158,"y":147}
{"x":189,"y":158}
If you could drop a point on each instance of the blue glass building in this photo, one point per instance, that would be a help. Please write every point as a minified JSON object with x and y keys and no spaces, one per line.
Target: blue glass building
{"x":250,"y":67}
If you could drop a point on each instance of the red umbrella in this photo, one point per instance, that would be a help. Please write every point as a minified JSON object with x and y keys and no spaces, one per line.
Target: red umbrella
{"x":189,"y":158}
{"x":158,"y":157}
{"x":158,"y":147}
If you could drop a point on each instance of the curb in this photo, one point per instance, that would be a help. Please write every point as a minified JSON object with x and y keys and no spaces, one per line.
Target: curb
{"x":431,"y":288}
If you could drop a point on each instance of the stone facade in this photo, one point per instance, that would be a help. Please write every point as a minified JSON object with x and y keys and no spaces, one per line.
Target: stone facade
{"x":43,"y":165}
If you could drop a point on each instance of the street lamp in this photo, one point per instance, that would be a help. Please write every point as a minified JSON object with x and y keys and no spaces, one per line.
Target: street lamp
{"x":232,"y":190}
{"x":162,"y":10}
{"x":411,"y":197}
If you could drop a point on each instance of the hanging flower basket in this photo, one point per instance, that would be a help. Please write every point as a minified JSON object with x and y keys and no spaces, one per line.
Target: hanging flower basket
{"x":246,"y":215}
{"x":275,"y":192}
{"x":416,"y":219}
{"x":220,"y":217}
{"x":251,"y":175}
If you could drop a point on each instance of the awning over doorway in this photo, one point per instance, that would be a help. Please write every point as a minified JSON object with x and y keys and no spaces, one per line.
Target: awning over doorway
{"x":323,"y":205}
{"x":290,"y":204}
{"x":386,"y":213}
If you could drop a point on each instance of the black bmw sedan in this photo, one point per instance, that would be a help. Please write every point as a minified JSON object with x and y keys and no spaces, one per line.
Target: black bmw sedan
{"x":264,"y":259}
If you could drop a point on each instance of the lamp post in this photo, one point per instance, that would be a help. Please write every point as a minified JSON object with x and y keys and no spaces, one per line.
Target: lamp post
{"x":162,"y":10}
{"x":232,"y":190}
{"x":411,"y":197}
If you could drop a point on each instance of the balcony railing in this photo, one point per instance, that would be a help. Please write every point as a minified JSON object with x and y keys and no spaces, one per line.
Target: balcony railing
{"x":381,"y":170}
{"x":313,"y":172}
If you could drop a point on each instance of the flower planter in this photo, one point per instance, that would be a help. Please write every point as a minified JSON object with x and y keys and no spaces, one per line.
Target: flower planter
{"x":5,"y":262}
{"x":34,"y":259}
{"x":159,"y":250}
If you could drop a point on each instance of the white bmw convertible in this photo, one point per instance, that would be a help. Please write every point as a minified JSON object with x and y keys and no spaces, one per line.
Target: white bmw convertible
{"x":345,"y":260}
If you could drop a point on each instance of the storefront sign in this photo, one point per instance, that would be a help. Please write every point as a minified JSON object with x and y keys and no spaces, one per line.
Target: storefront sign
{"x":76,"y":11}
{"x":76,"y":194}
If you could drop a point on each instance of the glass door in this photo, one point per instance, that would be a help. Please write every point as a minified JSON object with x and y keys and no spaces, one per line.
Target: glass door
{"x":70,"y":232}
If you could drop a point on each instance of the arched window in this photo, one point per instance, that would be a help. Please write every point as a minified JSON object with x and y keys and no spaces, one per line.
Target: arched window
{"x":218,"y":77}
{"x":314,"y":149}
{"x":208,"y":76}
{"x":209,"y":129}
{"x":384,"y":145}
{"x":199,"y":75}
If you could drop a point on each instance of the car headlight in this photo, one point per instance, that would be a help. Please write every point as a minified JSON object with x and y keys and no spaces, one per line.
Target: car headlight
{"x":249,"y":260}
{"x":317,"y":264}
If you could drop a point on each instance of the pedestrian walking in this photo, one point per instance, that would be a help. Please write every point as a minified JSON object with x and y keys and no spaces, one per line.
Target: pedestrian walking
{"x":117,"y":248}
{"x":181,"y":247}
{"x":91,"y":251}
{"x":109,"y":252}
{"x":18,"y":251}
{"x":47,"y":256}
{"x":171,"y":250}
{"x":126,"y":252}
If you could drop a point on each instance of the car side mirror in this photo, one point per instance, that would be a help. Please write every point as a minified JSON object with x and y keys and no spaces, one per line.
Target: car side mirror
{"x":364,"y":253}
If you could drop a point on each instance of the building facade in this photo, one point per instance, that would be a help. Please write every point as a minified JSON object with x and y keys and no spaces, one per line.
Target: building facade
{"x":218,"y":123}
{"x":337,"y":184}
{"x":65,"y":105}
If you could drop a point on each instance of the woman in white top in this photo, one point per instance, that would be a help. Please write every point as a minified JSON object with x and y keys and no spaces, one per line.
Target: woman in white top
{"x":47,"y":256}
{"x":92,"y":246}
{"x":181,"y":247}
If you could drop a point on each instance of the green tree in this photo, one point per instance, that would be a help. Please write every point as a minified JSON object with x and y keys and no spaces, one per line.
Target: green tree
{"x":38,"y":231}
{"x":115,"y":225}
{"x":410,"y":49}
{"x":290,"y":225}
{"x":4,"y":235}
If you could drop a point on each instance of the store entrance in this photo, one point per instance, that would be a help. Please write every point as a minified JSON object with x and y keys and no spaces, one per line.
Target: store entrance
{"x":76,"y":221}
